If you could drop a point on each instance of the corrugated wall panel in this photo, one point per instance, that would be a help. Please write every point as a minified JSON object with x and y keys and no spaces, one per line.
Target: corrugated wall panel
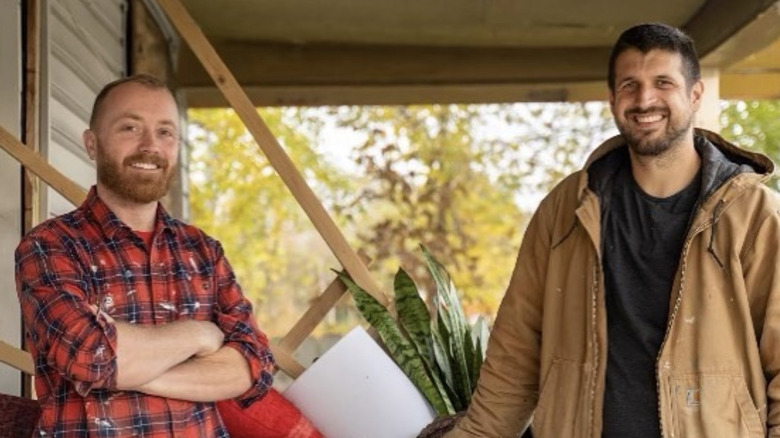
{"x":10,"y":184}
{"x":86,"y":49}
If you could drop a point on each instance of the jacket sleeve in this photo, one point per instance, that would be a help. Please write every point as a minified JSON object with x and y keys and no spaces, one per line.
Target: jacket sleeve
{"x":67,"y":335}
{"x":236,"y":319}
{"x":508,"y":386}
{"x":762,"y":279}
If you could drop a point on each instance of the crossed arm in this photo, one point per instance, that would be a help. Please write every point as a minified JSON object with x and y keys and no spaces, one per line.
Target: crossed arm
{"x":185,"y":360}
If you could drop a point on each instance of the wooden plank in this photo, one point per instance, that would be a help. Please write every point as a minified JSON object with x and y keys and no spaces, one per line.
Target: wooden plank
{"x":719,"y":20}
{"x":405,"y":94}
{"x":287,"y":363}
{"x":316,"y":312}
{"x":31,"y":192}
{"x":45,"y":171}
{"x":313,"y":316}
{"x":31,"y":201}
{"x":295,"y":182}
{"x":17,"y":358}
{"x":313,"y":64}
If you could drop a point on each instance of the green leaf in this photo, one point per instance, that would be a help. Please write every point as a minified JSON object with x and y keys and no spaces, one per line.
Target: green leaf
{"x":479,"y":334}
{"x":416,"y":321}
{"x":441,"y":350}
{"x":413,"y":313}
{"x":400,"y":349}
{"x":454,"y":321}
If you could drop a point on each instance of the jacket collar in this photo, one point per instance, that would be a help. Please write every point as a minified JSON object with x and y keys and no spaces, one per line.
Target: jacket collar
{"x":721,"y":160}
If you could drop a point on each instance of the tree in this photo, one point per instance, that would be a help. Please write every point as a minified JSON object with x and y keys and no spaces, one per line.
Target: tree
{"x":462,"y":180}
{"x":753,"y":124}
{"x":236,"y":196}
{"x":458,"y":179}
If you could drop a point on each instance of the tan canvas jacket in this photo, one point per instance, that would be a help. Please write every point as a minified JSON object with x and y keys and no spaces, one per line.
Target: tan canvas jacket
{"x":717,"y":370}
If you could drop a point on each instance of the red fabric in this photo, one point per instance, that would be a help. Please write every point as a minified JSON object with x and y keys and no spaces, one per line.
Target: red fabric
{"x":146,"y":236}
{"x":90,"y":258}
{"x":273,"y":416}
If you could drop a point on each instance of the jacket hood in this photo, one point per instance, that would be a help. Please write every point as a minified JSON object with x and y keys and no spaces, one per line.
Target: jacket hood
{"x":721,"y":160}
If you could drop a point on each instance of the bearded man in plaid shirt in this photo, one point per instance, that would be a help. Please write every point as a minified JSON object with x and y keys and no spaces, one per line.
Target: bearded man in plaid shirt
{"x":134,"y":319}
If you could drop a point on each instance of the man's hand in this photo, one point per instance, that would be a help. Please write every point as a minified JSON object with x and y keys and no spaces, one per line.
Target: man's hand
{"x":209,"y":337}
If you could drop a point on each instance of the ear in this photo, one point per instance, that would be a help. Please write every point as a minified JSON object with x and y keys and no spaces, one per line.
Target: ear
{"x":90,"y":143}
{"x":697,"y":91}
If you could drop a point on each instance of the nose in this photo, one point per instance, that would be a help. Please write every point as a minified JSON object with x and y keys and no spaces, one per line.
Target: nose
{"x":645,"y":96}
{"x":148,"y":143}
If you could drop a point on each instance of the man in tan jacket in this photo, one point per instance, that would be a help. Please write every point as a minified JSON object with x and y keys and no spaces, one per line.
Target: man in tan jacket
{"x":645,"y":301}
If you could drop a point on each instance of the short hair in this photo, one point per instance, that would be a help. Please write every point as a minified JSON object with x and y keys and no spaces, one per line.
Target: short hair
{"x":657,"y":36}
{"x":141,"y":79}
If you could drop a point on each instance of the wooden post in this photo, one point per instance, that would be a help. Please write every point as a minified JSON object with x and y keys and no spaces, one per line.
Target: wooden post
{"x":31,"y":195}
{"x":238,"y":99}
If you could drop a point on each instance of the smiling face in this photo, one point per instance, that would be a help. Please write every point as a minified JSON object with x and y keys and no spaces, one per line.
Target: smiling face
{"x":135,"y":143}
{"x":652,"y":104}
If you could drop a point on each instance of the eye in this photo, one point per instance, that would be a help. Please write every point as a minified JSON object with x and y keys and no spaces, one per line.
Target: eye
{"x":628,"y":86}
{"x":129,"y":127}
{"x":664,"y":83}
{"x":167,"y":132}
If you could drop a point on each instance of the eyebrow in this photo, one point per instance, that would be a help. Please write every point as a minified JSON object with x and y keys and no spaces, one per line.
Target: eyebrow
{"x":134,"y":116}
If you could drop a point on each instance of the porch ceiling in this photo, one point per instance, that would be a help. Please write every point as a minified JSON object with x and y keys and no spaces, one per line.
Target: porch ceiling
{"x":312,"y":52}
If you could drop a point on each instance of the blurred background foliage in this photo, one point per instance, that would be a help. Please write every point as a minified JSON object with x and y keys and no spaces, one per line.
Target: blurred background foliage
{"x":462,"y":180}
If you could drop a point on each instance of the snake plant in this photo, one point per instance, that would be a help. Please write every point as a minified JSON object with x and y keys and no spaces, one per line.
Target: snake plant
{"x":442,"y":354}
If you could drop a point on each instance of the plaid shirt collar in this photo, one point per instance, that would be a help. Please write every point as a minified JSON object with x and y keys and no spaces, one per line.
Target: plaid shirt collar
{"x":110,"y":224}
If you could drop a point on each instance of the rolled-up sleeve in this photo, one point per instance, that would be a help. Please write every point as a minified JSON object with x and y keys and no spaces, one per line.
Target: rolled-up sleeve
{"x":66,"y":334}
{"x":236,"y":320}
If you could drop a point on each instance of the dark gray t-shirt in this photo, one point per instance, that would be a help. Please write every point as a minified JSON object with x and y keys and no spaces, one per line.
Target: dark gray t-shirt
{"x":642,"y":243}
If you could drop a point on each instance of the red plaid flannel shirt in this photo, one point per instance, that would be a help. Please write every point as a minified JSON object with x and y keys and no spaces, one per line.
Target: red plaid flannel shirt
{"x":89,"y":257}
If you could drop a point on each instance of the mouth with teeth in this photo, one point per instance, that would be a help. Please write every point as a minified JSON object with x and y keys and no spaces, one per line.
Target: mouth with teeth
{"x":145,"y":166}
{"x":647,"y":118}
{"x":146,"y":162}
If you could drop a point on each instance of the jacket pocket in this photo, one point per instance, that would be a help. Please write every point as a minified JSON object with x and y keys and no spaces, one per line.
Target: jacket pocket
{"x":714,"y":406}
{"x":557,"y":412}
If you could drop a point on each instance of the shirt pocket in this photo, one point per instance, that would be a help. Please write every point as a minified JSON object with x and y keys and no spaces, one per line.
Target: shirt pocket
{"x":193,"y":284}
{"x":714,"y":406}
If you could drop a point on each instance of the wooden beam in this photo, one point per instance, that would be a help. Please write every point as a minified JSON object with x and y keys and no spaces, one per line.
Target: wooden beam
{"x":404,"y":94}
{"x":19,"y":359}
{"x":31,"y":193}
{"x":31,"y":189}
{"x":281,"y":162}
{"x":42,"y":169}
{"x":752,"y":86}
{"x":149,"y":53}
{"x":285,"y":361}
{"x":751,"y":39}
{"x":281,"y":65}
{"x":718,"y":20}
{"x":319,"y":307}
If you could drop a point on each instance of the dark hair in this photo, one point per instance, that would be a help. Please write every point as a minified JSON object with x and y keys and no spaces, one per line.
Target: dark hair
{"x":142,"y":79}
{"x":652,"y":36}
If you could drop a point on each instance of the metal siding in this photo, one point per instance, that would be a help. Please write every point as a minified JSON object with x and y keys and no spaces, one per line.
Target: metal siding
{"x":10,"y":185}
{"x":86,"y":50}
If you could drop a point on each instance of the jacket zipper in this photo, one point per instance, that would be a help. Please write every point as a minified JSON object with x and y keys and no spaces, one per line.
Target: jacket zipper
{"x":594,"y":337}
{"x":672,"y":317}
